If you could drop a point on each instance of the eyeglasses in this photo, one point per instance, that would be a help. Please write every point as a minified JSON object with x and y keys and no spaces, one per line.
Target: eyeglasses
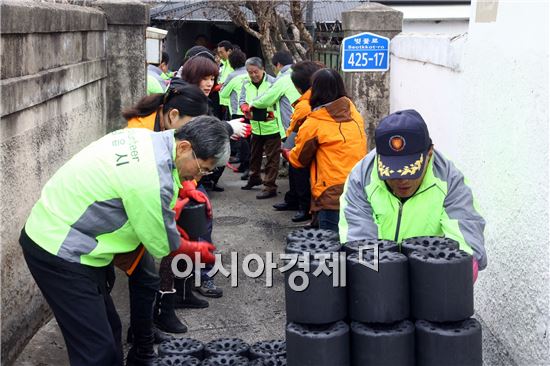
{"x":202,"y":172}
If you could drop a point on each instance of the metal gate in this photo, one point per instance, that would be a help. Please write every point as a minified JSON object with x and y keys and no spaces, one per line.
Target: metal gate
{"x":328,"y":37}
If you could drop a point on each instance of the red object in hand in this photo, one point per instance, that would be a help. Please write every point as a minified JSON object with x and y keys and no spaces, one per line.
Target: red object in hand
{"x":188,"y":247}
{"x":248,"y":131}
{"x":245,"y":108}
{"x":190,"y":191}
{"x":217,"y":88}
{"x":475,"y":268}
{"x":270,"y":116}
{"x":285,"y":153}
{"x":233,"y":168}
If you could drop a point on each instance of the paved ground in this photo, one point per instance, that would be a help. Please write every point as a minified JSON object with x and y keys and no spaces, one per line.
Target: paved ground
{"x":250,"y":311}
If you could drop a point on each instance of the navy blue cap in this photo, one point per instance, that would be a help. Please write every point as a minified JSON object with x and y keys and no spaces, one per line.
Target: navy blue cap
{"x":402,"y":144}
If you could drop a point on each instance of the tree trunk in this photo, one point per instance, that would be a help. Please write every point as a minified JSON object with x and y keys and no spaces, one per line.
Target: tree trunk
{"x":272,"y":27}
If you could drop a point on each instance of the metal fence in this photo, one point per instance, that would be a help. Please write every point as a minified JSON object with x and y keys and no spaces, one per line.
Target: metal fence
{"x":328,"y":37}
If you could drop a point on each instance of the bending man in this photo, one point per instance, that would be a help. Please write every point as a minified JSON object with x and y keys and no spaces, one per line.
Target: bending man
{"x":113,"y":195}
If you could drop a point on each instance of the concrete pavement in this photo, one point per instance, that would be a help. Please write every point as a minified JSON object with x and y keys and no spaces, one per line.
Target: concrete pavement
{"x":250,"y":311}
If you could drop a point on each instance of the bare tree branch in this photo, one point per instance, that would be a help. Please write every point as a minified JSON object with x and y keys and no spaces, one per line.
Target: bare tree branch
{"x":275,"y":30}
{"x":296,"y":13}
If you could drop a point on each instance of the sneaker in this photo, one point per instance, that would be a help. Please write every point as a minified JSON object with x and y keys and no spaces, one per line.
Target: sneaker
{"x":266,"y":194}
{"x":217,"y":188}
{"x":251,"y":185}
{"x":209,"y":289}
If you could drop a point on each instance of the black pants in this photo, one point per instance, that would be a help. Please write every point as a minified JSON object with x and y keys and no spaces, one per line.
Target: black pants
{"x":299,"y":192}
{"x":211,"y":180}
{"x":244,"y":154}
{"x":244,"y":147}
{"x":143,"y":285}
{"x":81,"y":304}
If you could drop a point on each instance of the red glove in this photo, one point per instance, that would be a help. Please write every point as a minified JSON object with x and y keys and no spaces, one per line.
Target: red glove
{"x":285,"y":153}
{"x":217,"y":88}
{"x":190,"y":191}
{"x":245,"y":108}
{"x":270,"y":116}
{"x":189,"y":248}
{"x":475,"y":268}
{"x":248,"y":130}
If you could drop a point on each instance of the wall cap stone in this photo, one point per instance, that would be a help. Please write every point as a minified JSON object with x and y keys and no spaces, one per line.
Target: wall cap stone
{"x":124,"y":12}
{"x":33,"y":17}
{"x":372,"y":17}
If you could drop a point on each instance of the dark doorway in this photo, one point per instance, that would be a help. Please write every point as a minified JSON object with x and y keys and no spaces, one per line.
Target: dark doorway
{"x":183,"y":35}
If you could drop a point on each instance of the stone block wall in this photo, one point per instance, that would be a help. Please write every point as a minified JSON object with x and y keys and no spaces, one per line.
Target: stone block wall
{"x":60,"y":90}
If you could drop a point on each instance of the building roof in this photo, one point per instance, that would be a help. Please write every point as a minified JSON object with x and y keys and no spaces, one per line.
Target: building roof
{"x":323,"y":11}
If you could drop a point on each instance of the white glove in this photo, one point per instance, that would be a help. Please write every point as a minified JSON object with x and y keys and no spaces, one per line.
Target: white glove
{"x":240,"y":129}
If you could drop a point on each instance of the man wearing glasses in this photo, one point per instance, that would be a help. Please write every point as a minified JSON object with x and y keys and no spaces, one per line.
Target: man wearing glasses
{"x":116,"y":193}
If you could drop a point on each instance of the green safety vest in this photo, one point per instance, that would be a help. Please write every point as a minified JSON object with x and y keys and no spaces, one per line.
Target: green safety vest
{"x":443,"y":205}
{"x":226,"y":69}
{"x":282,"y":94}
{"x":153,"y":85}
{"x":249,"y":92}
{"x":113,"y":195}
{"x":232,"y":88}
{"x":167,"y":75}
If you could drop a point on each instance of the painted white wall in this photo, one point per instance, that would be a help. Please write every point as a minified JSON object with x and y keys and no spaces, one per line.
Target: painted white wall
{"x":448,"y":26}
{"x":484,"y":96}
{"x":435,"y":18}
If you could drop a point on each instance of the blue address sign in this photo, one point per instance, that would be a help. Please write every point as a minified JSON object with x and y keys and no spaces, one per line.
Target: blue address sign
{"x":365,"y":52}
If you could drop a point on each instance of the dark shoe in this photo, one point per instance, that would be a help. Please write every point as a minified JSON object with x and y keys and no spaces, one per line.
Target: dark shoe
{"x":209,"y":289}
{"x":245,"y":175}
{"x":140,"y":357}
{"x":165,"y":316}
{"x":185,"y":298}
{"x":234,"y":160}
{"x":159,"y":336}
{"x":242,"y":168}
{"x":266,"y":194}
{"x":217,"y":188}
{"x":142,"y":352}
{"x":301,"y":216}
{"x":250,"y":185}
{"x":207,"y":184}
{"x":283,"y":206}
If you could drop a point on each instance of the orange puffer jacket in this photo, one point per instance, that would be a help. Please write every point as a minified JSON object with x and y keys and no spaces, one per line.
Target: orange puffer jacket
{"x":332,"y":140}
{"x":302,"y":109}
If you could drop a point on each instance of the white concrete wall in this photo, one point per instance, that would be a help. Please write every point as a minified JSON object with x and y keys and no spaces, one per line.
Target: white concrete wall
{"x":485,"y":96}
{"x":434,"y":18}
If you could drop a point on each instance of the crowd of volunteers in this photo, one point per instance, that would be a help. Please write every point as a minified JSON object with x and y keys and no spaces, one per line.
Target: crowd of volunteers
{"x":117,"y":202}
